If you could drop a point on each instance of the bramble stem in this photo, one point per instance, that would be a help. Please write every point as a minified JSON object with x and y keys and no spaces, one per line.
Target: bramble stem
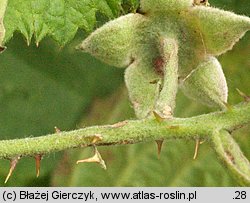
{"x":130,"y":132}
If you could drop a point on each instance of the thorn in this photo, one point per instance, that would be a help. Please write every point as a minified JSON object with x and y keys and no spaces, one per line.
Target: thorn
{"x":57,"y":130}
{"x":159,"y":147}
{"x":94,"y":159}
{"x":197,"y":144}
{"x":13,"y":164}
{"x":158,"y":118}
{"x":97,"y":138}
{"x":38,"y":164}
{"x":242,"y":94}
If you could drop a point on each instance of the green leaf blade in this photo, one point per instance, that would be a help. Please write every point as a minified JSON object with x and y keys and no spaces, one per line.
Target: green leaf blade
{"x":59,"y":19}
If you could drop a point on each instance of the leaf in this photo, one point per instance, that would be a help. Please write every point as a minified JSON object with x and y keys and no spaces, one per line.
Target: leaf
{"x":41,"y":88}
{"x":59,"y":19}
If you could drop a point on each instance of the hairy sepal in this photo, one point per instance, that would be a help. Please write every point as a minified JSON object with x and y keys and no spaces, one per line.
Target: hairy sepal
{"x":142,"y":91}
{"x":114,"y":43}
{"x":220,"y":29}
{"x":207,"y":84}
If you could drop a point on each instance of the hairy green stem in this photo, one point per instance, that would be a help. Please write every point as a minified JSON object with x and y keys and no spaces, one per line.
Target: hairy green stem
{"x":129,"y":132}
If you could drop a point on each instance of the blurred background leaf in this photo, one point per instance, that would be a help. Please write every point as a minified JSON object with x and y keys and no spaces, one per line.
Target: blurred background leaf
{"x":45,"y":87}
{"x":48,"y":86}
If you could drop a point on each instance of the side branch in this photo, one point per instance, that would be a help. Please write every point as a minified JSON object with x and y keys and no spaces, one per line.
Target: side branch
{"x":129,"y":132}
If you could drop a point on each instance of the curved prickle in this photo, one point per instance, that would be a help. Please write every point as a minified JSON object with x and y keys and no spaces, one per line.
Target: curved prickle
{"x":13,"y":163}
{"x":38,"y":159}
{"x":97,"y":158}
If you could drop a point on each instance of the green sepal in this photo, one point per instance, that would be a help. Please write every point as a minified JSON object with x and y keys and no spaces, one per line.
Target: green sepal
{"x":114,"y":43}
{"x":207,"y":84}
{"x":220,"y":30}
{"x":142,"y":91}
{"x":150,"y":92}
